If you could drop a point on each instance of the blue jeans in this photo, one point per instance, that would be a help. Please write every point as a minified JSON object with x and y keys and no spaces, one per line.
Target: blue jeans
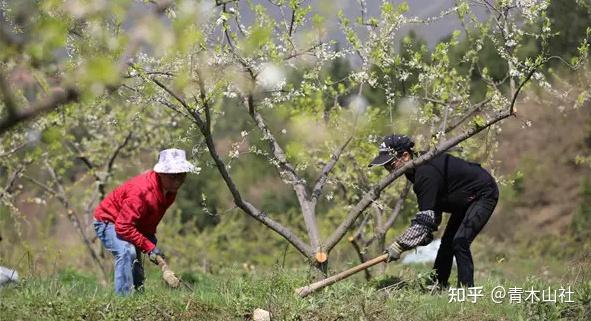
{"x":129,"y":271}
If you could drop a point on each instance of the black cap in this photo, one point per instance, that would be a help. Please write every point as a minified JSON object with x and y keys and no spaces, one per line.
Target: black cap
{"x":392,"y":145}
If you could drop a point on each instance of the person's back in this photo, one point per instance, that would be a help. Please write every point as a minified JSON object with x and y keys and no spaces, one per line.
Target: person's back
{"x":458,"y":182}
{"x":139,"y":194}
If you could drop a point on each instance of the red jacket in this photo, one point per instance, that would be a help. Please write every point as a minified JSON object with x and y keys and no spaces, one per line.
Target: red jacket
{"x":136,"y":207}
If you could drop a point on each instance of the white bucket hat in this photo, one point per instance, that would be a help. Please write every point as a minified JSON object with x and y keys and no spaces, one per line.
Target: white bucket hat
{"x":173,"y":161}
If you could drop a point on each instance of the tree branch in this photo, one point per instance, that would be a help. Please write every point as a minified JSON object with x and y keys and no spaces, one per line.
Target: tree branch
{"x":358,"y":234}
{"x":288,"y":170}
{"x":241,"y":60}
{"x":118,"y":149}
{"x":381,"y":228}
{"x":172,"y":93}
{"x":68,"y":94}
{"x":153,"y":73}
{"x":204,"y":100}
{"x":59,"y":96}
{"x":221,"y":3}
{"x":527,"y":78}
{"x":362,"y":257}
{"x":469,"y":114}
{"x":14,"y":150}
{"x":321,"y":181}
{"x":397,"y":208}
{"x":43,"y":186}
{"x":303,"y":52}
{"x":276,"y":149}
{"x":292,"y":20}
{"x":88,"y":163}
{"x":10,"y":182}
{"x":71,"y":214}
{"x":246,"y":207}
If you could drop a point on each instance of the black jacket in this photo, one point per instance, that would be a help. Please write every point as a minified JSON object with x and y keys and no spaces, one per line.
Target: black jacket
{"x":443,"y":184}
{"x":449,"y":184}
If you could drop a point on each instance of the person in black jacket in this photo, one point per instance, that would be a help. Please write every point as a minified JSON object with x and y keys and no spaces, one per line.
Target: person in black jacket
{"x":443,"y":184}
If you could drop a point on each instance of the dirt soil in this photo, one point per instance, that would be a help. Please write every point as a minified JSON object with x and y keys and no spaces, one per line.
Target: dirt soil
{"x":545,"y":152}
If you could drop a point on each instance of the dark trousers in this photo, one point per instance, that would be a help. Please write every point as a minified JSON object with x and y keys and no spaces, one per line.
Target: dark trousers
{"x":461,"y":230}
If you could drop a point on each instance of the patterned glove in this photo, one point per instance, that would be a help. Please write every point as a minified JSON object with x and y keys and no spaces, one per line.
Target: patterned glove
{"x":393,"y":252}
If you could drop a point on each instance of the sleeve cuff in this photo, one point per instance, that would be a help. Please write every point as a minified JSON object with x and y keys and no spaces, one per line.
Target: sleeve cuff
{"x":149,"y":247}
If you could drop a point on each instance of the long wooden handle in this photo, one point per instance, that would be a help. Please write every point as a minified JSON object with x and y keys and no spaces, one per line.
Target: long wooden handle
{"x":167,"y":273}
{"x":161,"y":263}
{"x":304,"y":291}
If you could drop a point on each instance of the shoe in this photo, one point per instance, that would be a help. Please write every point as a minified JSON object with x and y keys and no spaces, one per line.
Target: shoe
{"x":436,"y":288}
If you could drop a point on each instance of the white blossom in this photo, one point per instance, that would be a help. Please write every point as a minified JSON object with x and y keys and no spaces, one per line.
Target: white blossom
{"x":233,"y":154}
{"x":403,"y":75}
{"x":271,"y":77}
{"x":221,"y":19}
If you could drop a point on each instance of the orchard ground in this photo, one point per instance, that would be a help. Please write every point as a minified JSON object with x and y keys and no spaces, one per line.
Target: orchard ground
{"x":550,"y":265}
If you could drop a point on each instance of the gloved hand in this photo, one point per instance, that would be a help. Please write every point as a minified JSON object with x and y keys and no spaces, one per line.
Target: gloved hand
{"x":393,"y":252}
{"x":154,"y":253}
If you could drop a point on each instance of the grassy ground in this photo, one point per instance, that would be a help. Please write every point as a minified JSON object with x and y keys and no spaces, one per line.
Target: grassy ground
{"x":234,"y":292}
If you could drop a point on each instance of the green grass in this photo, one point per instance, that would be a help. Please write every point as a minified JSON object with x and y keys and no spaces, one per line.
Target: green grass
{"x":233,"y":293}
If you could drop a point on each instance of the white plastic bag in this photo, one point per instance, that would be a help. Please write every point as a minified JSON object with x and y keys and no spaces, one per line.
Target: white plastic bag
{"x":7,"y":275}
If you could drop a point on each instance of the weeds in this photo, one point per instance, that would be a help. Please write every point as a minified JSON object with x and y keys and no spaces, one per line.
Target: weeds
{"x":233,"y":295}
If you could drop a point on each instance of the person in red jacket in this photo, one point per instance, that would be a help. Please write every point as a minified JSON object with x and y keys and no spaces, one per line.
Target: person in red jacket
{"x":126,"y":220}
